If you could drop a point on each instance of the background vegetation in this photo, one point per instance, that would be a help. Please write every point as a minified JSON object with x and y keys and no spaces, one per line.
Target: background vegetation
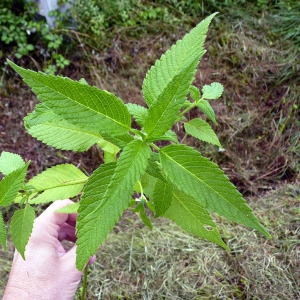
{"x":253,"y":50}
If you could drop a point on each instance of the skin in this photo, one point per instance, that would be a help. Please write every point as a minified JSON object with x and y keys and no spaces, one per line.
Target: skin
{"x":49,"y":271}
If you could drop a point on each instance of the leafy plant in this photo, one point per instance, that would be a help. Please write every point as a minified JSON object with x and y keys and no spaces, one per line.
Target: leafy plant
{"x":23,"y":31}
{"x":173,"y":180}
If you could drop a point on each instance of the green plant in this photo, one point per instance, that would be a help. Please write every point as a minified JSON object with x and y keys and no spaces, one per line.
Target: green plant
{"x":22,"y":31}
{"x":140,"y":170}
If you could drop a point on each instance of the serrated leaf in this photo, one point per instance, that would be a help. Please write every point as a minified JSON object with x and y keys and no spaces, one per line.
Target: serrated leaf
{"x":2,"y":233}
{"x":168,"y":136}
{"x":148,"y":183}
{"x":182,"y":54}
{"x":57,"y":183}
{"x":10,"y":162}
{"x":203,"y":180}
{"x":69,"y":209}
{"x":119,"y":140}
{"x":21,"y":227}
{"x":206,"y":108}
{"x":201,"y":130}
{"x":51,"y":129}
{"x":186,"y":212}
{"x":162,"y":197}
{"x":194,"y":93}
{"x":212,"y":91}
{"x":80,"y":104}
{"x":163,"y":113}
{"x":11,"y":184}
{"x":138,"y":112}
{"x":106,"y":195}
{"x":154,"y":167}
{"x":140,"y":209}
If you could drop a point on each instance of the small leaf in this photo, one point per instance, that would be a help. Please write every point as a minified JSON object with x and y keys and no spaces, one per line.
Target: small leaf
{"x":194,"y":93}
{"x":80,"y":104}
{"x":205,"y":107}
{"x":110,"y":150}
{"x":197,"y":176}
{"x":2,"y":233}
{"x":21,"y":227}
{"x":162,"y":197}
{"x":138,"y":112}
{"x":140,"y":208}
{"x":154,"y":167}
{"x":53,"y":130}
{"x":187,"y":212}
{"x":57,"y":183}
{"x":201,"y":130}
{"x":11,"y":184}
{"x":106,"y":195}
{"x":213,"y":91}
{"x":10,"y":162}
{"x":69,"y":209}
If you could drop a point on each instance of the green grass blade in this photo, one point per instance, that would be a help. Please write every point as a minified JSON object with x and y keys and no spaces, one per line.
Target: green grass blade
{"x":11,"y":184}
{"x":21,"y":227}
{"x":80,"y":104}
{"x":204,"y":181}
{"x":106,"y":196}
{"x":57,"y":183}
{"x":188,"y":213}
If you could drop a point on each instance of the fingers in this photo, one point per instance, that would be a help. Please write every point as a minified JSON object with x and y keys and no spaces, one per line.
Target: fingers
{"x":67,"y":232}
{"x":49,"y":216}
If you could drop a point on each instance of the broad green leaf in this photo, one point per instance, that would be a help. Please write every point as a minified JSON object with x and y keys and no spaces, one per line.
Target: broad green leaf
{"x":69,"y":209}
{"x":57,"y":183}
{"x":213,"y":91}
{"x":106,"y":195}
{"x":203,"y":180}
{"x":162,"y":197}
{"x":194,"y":93}
{"x":140,"y":209}
{"x":205,"y":107}
{"x":2,"y":233}
{"x":21,"y":227}
{"x":188,"y":213}
{"x":11,"y":184}
{"x":181,"y":55}
{"x":201,"y":130}
{"x":10,"y":162}
{"x":53,"y":130}
{"x":138,"y":112}
{"x":80,"y":104}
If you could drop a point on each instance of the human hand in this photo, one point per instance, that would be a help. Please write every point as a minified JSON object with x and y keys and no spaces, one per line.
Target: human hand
{"x":49,"y":271}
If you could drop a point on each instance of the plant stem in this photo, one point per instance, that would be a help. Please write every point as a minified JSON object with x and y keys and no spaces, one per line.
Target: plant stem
{"x":84,"y":285}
